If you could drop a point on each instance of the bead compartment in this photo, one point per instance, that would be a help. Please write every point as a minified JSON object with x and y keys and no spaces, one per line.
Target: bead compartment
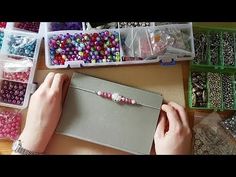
{"x":10,"y":124}
{"x":20,"y":44}
{"x":83,"y":48}
{"x":15,"y":76}
{"x":27,"y":26}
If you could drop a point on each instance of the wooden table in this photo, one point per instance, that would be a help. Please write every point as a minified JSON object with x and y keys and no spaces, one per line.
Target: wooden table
{"x":5,"y":146}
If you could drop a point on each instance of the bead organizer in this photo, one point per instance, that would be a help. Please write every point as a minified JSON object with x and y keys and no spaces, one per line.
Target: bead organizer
{"x":103,"y":47}
{"x":18,"y":59}
{"x":212,"y":89}
{"x":215,"y":59}
{"x":215,"y":48}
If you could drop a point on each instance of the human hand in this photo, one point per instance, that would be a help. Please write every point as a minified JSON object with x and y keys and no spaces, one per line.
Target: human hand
{"x":173,"y":134}
{"x":44,"y":112}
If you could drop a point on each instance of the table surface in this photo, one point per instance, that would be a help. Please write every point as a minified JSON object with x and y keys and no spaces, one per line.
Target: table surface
{"x":5,"y":145}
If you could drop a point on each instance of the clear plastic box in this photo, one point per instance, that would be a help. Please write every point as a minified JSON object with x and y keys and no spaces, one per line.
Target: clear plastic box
{"x":137,"y":49}
{"x":17,"y":69}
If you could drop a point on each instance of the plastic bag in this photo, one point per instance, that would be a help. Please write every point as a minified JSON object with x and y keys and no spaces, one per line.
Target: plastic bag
{"x":141,"y":44}
{"x":170,"y":40}
{"x":126,"y":42}
{"x":15,"y":69}
{"x":19,"y":44}
{"x":210,"y":137}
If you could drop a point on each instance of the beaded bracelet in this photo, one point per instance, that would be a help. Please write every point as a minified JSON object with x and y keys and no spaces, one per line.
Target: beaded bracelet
{"x":115,"y":97}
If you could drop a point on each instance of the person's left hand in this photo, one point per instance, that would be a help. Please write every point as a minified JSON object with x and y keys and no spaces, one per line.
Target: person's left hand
{"x":44,"y":112}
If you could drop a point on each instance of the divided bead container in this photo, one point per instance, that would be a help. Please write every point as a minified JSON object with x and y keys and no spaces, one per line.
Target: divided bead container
{"x":214,"y":48}
{"x":132,"y":43}
{"x":212,"y":89}
{"x":212,"y":71}
{"x":18,"y":60}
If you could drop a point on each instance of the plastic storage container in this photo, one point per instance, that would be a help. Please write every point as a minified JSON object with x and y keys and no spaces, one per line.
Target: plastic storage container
{"x":137,"y":45}
{"x":215,"y":48}
{"x":215,"y":57}
{"x":212,"y":89}
{"x":18,"y":60}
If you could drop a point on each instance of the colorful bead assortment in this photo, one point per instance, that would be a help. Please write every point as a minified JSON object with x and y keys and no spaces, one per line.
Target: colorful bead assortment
{"x":3,"y":24}
{"x":90,"y":48}
{"x":29,"y":26}
{"x":17,"y":76}
{"x":12,"y":92}
{"x":57,"y":26}
{"x":21,"y":45}
{"x":10,"y":125}
{"x":1,"y":38}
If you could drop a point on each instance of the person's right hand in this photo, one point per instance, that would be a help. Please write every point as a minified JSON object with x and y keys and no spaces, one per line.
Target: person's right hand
{"x":173,"y":134}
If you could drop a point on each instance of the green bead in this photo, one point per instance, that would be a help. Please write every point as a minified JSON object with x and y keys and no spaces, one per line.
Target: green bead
{"x":117,"y":57}
{"x":81,"y":53}
{"x":93,"y":61}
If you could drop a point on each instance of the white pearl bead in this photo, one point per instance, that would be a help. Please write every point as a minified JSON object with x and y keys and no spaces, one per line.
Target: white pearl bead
{"x":116,"y":97}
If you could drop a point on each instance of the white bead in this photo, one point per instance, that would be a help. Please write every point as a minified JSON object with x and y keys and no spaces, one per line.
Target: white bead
{"x":133,"y":101}
{"x":116,"y":97}
{"x":99,"y":93}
